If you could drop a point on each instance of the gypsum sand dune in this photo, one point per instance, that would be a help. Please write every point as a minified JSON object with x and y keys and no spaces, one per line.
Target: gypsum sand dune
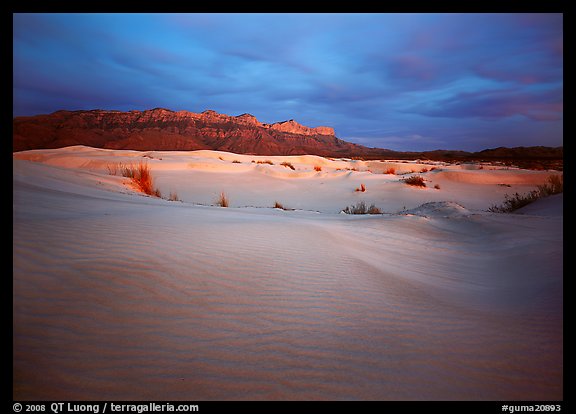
{"x":119,"y":295}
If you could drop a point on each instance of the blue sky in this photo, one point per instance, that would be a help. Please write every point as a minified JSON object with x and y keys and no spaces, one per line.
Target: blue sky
{"x":398,"y":81}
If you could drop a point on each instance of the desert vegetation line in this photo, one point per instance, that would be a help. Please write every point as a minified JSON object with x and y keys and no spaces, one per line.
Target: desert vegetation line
{"x":554,"y":185}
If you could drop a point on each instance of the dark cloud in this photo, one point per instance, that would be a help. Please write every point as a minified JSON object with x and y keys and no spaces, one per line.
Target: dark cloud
{"x":536,"y":105}
{"x":419,"y":80}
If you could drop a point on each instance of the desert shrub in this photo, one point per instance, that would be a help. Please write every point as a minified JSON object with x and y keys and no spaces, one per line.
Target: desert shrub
{"x":236,"y":162}
{"x":113,"y":168}
{"x":142,"y":178}
{"x":415,"y":181}
{"x":317,"y":168}
{"x":514,"y":202}
{"x":288,"y":165}
{"x":266,"y":162}
{"x":390,"y":170}
{"x":437,"y":186}
{"x":554,"y":185}
{"x":173,"y":196}
{"x":423,"y":170}
{"x":281,"y":206}
{"x":360,"y":208}
{"x":362,"y":188}
{"x":223,"y":200}
{"x":139,"y":174}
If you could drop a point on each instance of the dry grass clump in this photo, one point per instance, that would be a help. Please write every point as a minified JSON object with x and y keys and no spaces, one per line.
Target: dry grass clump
{"x":423,"y":170}
{"x":288,"y":165}
{"x":437,"y":186}
{"x":281,"y":206}
{"x":554,"y":185}
{"x":415,"y":181}
{"x":236,"y":162}
{"x":223,"y":200}
{"x":361,"y":189}
{"x":317,"y":168}
{"x":265,"y":162}
{"x":139,"y":174}
{"x":360,"y":208}
{"x":390,"y":170}
{"x":173,"y":196}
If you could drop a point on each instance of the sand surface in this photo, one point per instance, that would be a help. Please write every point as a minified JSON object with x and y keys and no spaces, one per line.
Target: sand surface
{"x":118,"y":295}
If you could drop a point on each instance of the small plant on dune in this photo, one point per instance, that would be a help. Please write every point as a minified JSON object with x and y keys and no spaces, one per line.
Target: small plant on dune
{"x":266,"y":162}
{"x":288,"y":165}
{"x":112,"y":169}
{"x":361,"y":189}
{"x":236,"y":162}
{"x":222,"y":200}
{"x":390,"y":170}
{"x":173,"y":197}
{"x":317,"y":168}
{"x":139,"y":174}
{"x":281,"y":206}
{"x":360,"y":208}
{"x":437,"y":186}
{"x":415,"y":180}
{"x":554,"y":185}
{"x":423,"y":170}
{"x":142,"y":178}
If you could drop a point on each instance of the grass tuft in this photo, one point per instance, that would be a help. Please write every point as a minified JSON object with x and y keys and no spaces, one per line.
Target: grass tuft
{"x":173,"y":196}
{"x":361,"y":189}
{"x":139,"y":174}
{"x":223,"y":200}
{"x":360,"y":208}
{"x":390,"y":170}
{"x":288,"y":165}
{"x":317,"y":168}
{"x":554,"y":185}
{"x":415,"y":180}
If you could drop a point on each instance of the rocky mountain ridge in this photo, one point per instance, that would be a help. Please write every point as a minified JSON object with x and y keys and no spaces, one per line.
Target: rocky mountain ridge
{"x":163,"y":129}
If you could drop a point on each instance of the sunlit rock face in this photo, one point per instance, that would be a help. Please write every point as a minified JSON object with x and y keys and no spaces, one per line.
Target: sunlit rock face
{"x":163,"y":129}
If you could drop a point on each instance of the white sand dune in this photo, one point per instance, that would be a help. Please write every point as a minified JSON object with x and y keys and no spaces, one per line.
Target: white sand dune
{"x":123,"y":296}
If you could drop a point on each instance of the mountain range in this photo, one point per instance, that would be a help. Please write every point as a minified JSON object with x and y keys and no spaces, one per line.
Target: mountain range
{"x":164,"y":130}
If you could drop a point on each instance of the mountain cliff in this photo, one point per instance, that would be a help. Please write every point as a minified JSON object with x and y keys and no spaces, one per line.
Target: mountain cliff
{"x":162,"y":129}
